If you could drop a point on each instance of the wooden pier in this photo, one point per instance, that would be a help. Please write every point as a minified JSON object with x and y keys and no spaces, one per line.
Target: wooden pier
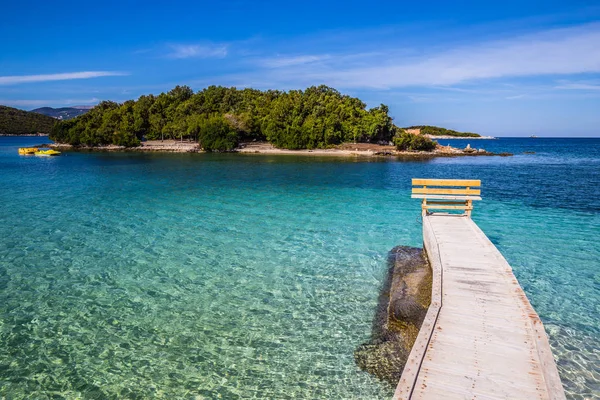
{"x":481,"y":338}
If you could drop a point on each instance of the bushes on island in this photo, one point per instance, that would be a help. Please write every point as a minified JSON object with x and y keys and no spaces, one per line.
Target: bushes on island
{"x":219,"y":118}
{"x":216,"y":133}
{"x":406,"y":141}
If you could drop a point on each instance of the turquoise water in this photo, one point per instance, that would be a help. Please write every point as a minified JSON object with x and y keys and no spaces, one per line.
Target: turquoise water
{"x":247,"y":276}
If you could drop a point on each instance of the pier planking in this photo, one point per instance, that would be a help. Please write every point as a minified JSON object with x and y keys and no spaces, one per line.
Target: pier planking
{"x":481,"y":338}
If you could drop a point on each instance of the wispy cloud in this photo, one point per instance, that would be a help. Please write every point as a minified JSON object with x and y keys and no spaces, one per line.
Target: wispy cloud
{"x":181,"y":51}
{"x":279,"y":62}
{"x":17,"y":79}
{"x":568,"y":51}
{"x":553,"y":52}
{"x":579,"y":85}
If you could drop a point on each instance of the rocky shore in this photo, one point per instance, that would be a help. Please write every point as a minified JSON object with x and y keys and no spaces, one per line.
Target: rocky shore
{"x":366,"y":149}
{"x":166,"y":146}
{"x":343,"y":150}
{"x":403,"y":303}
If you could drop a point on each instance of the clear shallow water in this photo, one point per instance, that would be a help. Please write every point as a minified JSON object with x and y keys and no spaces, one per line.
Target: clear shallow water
{"x":232,"y":276}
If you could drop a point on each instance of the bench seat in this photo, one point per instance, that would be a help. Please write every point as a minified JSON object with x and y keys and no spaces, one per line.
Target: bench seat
{"x":446,"y":194}
{"x":443,"y":197}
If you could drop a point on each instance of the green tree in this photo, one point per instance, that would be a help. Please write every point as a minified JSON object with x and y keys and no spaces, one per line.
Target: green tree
{"x":216,"y":134}
{"x":412,"y":142}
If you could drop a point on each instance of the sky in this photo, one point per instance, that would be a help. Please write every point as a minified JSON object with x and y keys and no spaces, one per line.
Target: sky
{"x":509,"y":68}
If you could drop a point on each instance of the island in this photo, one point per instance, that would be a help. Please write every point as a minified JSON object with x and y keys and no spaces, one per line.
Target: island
{"x":318,"y":120}
{"x":435,"y":132}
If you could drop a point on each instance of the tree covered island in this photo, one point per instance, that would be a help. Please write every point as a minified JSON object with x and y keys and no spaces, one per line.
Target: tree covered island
{"x":220,"y":118}
{"x":437,"y":131}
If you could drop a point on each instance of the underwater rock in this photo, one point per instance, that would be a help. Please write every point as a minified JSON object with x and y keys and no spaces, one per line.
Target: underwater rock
{"x":408,"y":310}
{"x":403,"y":302}
{"x":384,"y":360}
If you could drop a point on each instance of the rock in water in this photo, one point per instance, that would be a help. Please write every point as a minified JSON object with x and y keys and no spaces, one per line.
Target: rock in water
{"x":403,"y":302}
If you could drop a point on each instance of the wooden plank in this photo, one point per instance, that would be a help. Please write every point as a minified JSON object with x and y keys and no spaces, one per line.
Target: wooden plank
{"x":447,"y":203}
{"x":412,"y":368}
{"x":544,"y":352}
{"x":442,"y":207}
{"x":445,"y":182}
{"x":487,"y":342}
{"x":442,"y":197}
{"x":445,"y":191}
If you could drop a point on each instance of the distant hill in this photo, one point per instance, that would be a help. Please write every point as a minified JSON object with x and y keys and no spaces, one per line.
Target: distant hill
{"x":18,"y":122}
{"x":437,"y":131}
{"x":63,"y":113}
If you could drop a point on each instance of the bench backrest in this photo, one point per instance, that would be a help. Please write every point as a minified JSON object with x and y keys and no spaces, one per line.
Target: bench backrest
{"x":446,"y":194}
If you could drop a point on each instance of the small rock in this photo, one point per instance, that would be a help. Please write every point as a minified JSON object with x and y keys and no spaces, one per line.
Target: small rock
{"x":408,"y":310}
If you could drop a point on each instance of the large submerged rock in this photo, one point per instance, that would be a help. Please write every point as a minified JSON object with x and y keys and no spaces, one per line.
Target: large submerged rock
{"x":402,"y":305}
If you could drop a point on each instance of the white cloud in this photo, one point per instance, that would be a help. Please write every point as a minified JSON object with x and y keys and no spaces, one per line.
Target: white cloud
{"x":579,"y":85}
{"x":16,"y":79}
{"x":555,"y":52}
{"x":181,"y":51}
{"x":569,"y":51}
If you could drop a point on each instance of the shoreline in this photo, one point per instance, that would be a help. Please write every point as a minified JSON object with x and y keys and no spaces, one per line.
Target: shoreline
{"x":366,"y":150}
{"x":167,"y":146}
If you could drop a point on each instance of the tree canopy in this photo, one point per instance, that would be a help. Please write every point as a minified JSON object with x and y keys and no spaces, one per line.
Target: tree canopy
{"x":220,"y":117}
{"x":412,"y":142}
{"x":18,"y":122}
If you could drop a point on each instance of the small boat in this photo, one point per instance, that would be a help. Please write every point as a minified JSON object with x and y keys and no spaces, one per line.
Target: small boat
{"x":533,"y":137}
{"x":26,"y":151}
{"x":47,"y":153}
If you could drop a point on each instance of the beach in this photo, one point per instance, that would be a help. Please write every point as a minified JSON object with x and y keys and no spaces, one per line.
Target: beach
{"x":343,"y":150}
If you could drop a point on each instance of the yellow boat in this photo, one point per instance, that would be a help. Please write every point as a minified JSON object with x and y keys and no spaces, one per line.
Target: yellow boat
{"x":24,"y":151}
{"x":47,"y":153}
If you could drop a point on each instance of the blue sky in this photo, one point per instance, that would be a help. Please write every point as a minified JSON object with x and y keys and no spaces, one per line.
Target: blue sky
{"x":505,"y":68}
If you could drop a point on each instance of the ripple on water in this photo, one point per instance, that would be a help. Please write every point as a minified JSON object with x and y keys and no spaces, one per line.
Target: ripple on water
{"x":190,"y":276}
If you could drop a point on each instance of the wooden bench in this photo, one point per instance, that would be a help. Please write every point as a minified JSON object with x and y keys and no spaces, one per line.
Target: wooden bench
{"x":446,"y":194}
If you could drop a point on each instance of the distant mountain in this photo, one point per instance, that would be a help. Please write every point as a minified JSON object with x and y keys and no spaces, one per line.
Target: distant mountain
{"x":63,"y":113}
{"x":18,"y":122}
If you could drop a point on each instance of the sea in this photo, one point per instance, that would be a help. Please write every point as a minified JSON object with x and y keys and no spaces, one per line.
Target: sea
{"x":230,"y":276}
